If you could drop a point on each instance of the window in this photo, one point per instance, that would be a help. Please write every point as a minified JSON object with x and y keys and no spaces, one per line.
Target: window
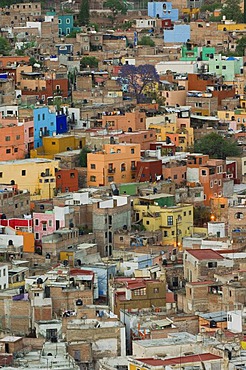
{"x":72,"y":175}
{"x":38,"y":117}
{"x":211,"y":184}
{"x":147,"y":222}
{"x":68,"y":21}
{"x":17,"y":137}
{"x":165,"y":234}
{"x":121,"y":238}
{"x":184,"y":214}
{"x":23,"y":173}
{"x":175,"y":177}
{"x":67,"y":30}
{"x":44,"y":226}
{"x":123,"y":167}
{"x":238,"y":215}
{"x":204,"y":172}
{"x":8,"y":151}
{"x":53,"y":143}
{"x":156,"y":290}
{"x":16,"y":150}
{"x":212,"y":264}
{"x":7,"y":138}
{"x":36,"y":294}
{"x":141,"y":291}
{"x":1,"y":174}
{"x":169,"y":220}
{"x":132,"y":151}
{"x":93,"y":166}
{"x":37,"y":236}
{"x":36,"y":222}
{"x":59,"y":21}
{"x":93,"y":178}
{"x":189,"y":213}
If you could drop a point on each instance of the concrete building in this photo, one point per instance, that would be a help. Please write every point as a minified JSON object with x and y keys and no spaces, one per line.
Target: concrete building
{"x":175,"y":222}
{"x":179,"y":34}
{"x":116,"y":163}
{"x":162,"y":10}
{"x":109,"y":216}
{"x":132,"y":293}
{"x":204,"y":263}
{"x":39,"y":172}
{"x":225,"y":67}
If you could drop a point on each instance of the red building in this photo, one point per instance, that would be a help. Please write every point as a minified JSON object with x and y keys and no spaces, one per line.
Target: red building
{"x":67,"y":180}
{"x":149,"y":170}
{"x":231,"y":171}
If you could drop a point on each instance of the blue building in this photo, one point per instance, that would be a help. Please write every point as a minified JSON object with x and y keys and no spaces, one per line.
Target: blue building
{"x":180,"y":33}
{"x":104,"y":273}
{"x":44,"y":125}
{"x":162,"y":10}
{"x":65,"y":24}
{"x":61,"y":124}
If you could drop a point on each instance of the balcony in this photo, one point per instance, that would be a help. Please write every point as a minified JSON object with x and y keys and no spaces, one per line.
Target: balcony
{"x":111,"y":170}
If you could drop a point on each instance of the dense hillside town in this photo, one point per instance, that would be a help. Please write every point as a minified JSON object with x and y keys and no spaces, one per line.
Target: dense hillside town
{"x":123,"y":185}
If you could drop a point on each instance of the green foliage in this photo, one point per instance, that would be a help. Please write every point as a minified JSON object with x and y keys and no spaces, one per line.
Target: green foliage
{"x":146,"y":40}
{"x":232,"y":10}
{"x":126,"y":25}
{"x":95,"y":25}
{"x":241,"y":45}
{"x":83,"y":156}
{"x":4,"y":46}
{"x":73,"y":34}
{"x":212,"y":18}
{"x":210,"y":7}
{"x":92,"y":62}
{"x":216,"y":146}
{"x":84,"y":13}
{"x":202,"y":215}
{"x":116,"y":6}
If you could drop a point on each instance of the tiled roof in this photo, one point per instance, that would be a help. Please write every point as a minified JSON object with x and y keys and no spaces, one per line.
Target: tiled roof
{"x":205,"y":254}
{"x":179,"y":360}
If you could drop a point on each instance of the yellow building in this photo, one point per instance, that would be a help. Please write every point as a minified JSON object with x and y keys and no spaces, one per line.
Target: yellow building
{"x":177,"y":129}
{"x":175,"y":222}
{"x":35,"y":175}
{"x":57,"y":144}
{"x":231,"y":27}
{"x":116,"y":163}
{"x":236,"y":117}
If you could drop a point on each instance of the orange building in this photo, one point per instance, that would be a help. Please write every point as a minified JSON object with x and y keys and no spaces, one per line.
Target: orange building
{"x":12,"y":144}
{"x":128,"y":121}
{"x":28,"y":241}
{"x":116,"y":163}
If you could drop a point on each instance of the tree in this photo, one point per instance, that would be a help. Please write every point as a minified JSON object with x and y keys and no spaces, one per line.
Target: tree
{"x":116,"y":6}
{"x":232,"y":10}
{"x":83,"y":156}
{"x":4,"y":46}
{"x":216,"y":146}
{"x":202,"y":215}
{"x":84,"y":13}
{"x":92,"y":62}
{"x":146,"y":40}
{"x":139,"y":80}
{"x":241,"y":46}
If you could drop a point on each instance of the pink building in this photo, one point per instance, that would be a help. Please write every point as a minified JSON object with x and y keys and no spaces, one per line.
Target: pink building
{"x":49,"y":221}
